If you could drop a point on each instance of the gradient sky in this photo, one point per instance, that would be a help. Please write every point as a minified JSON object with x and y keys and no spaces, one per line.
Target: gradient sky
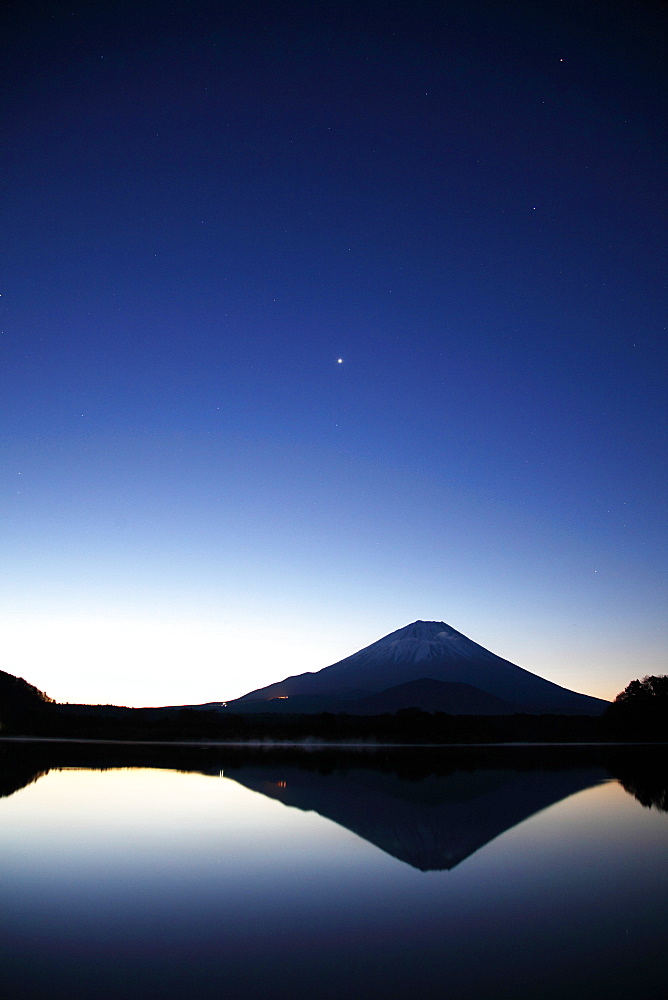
{"x":205,"y":206}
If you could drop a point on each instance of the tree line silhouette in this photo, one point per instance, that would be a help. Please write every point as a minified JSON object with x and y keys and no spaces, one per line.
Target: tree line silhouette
{"x":639,"y":713}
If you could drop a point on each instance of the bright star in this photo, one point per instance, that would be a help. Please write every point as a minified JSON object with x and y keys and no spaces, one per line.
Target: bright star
{"x":339,"y":361}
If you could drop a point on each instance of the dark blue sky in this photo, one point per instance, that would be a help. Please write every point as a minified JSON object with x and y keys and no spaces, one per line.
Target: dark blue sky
{"x":205,"y":206}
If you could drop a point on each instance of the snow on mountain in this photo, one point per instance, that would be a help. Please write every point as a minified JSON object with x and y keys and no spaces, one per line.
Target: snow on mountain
{"x":431,"y":650}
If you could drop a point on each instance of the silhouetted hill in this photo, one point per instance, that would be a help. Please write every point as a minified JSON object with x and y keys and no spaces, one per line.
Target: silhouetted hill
{"x":17,"y":693}
{"x":23,"y":707}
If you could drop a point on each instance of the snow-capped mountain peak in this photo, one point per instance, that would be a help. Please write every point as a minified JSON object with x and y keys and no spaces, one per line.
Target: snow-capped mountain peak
{"x":429,"y":650}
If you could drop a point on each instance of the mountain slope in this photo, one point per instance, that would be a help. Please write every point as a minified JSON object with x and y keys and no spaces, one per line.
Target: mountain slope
{"x":452,"y":697}
{"x":432,"y":650}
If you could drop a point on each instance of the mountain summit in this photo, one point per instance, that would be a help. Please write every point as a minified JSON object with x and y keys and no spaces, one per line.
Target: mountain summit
{"x":421,"y":651}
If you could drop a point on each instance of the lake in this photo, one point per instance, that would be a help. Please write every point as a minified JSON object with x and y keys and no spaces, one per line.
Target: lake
{"x":168,"y":872}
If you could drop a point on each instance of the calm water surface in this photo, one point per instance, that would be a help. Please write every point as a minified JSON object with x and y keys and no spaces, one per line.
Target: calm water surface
{"x":298,"y":877}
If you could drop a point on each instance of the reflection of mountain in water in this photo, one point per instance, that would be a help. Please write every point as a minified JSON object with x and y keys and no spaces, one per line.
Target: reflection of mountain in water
{"x":429,"y":808}
{"x":432,"y":823}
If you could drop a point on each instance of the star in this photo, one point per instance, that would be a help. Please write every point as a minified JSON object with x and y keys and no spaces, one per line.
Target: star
{"x":339,"y":361}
